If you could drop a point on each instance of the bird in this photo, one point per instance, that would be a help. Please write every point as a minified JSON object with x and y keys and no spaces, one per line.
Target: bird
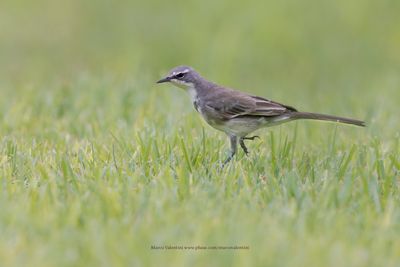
{"x":236,"y":113}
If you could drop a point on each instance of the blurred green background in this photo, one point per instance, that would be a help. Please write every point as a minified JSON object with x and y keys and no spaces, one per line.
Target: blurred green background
{"x":98,"y":162}
{"x":302,"y":53}
{"x":281,"y":49}
{"x":313,"y":42}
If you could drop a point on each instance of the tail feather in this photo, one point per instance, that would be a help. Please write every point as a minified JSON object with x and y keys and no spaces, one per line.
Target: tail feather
{"x":323,"y":117}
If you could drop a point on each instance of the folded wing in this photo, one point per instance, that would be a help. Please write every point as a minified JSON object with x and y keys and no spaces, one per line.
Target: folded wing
{"x":234,"y":104}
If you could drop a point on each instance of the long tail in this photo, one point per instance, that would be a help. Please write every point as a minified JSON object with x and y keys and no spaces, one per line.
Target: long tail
{"x":323,"y":117}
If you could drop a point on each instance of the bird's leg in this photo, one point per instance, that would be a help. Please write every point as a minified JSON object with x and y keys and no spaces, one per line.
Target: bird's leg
{"x":241,"y":142}
{"x":251,"y":137}
{"x":243,"y":146}
{"x":233,"y":140}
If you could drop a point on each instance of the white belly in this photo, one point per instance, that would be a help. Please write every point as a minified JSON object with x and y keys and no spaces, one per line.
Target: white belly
{"x":241,"y":127}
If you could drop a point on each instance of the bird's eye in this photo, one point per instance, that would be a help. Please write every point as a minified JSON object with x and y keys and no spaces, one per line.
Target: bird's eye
{"x":180,"y":75}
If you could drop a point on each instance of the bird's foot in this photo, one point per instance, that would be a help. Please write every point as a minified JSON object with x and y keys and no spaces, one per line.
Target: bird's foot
{"x":230,"y":157}
{"x":251,"y":138}
{"x":243,"y":146}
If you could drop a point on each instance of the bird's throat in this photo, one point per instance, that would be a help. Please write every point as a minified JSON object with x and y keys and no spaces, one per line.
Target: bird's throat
{"x":192,"y":93}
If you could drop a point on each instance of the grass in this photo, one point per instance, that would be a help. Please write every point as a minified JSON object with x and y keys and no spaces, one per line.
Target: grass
{"x":98,"y":164}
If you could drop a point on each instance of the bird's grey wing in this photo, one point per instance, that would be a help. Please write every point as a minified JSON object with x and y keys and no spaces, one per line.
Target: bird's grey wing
{"x":266,"y":102}
{"x":235,"y":104}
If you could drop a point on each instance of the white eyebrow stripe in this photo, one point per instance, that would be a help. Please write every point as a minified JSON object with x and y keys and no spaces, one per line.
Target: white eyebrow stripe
{"x":177,"y":72}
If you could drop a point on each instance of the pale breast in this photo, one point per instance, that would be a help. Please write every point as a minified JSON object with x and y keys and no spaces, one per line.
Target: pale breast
{"x":237,"y":127}
{"x":243,"y":126}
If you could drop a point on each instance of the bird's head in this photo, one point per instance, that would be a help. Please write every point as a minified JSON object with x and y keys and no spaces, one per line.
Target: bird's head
{"x":181,"y":76}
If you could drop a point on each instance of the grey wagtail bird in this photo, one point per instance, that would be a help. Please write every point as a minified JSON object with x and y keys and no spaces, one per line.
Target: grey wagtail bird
{"x":236,"y":113}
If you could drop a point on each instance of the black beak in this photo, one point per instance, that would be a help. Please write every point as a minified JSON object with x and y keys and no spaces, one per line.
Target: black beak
{"x":164,"y":80}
